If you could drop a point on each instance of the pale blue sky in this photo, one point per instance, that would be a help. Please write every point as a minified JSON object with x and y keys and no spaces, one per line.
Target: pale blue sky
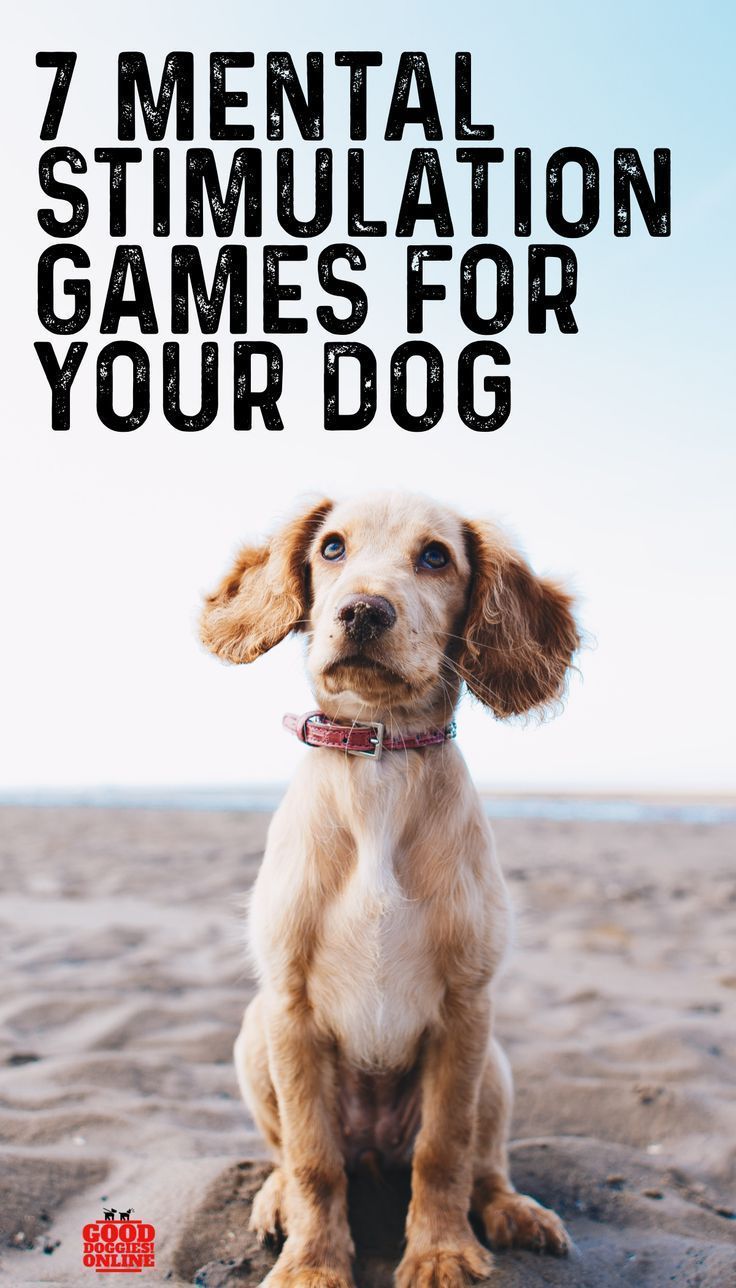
{"x":616,"y":467}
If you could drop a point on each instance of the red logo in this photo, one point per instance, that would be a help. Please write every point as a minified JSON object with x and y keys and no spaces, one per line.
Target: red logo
{"x":121,"y":1246}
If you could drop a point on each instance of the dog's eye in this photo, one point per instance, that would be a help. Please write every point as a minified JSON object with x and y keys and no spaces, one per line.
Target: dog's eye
{"x":434,"y":556}
{"x":333,"y":548}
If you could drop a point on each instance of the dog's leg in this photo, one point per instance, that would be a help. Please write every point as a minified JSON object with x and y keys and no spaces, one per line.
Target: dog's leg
{"x":268,"y":1215}
{"x":510,"y":1219}
{"x":441,"y":1249}
{"x":318,"y":1252}
{"x":254,"y":1075}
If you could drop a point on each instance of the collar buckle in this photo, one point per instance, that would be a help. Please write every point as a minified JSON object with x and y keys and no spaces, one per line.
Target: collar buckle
{"x":377,"y":740}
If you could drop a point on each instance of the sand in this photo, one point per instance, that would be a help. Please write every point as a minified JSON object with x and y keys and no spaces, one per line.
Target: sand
{"x":123,"y":989}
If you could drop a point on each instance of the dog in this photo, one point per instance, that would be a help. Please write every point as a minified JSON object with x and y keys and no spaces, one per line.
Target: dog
{"x":379,"y":916}
{"x":109,"y":1213}
{"x":125,"y":1216}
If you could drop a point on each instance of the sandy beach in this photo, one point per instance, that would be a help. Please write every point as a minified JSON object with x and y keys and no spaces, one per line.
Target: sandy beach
{"x":123,"y":986}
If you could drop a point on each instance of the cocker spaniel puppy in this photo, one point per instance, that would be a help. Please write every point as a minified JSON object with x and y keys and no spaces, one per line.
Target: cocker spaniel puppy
{"x":379,"y":916}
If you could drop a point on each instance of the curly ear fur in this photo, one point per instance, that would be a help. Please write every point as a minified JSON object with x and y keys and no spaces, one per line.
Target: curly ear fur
{"x":264,"y":596}
{"x":520,"y":634}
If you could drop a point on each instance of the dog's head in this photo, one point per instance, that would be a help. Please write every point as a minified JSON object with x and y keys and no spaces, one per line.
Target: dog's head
{"x":401,"y":601}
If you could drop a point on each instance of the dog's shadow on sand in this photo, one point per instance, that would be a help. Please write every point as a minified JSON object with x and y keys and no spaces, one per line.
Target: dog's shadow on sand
{"x":378,"y":1208}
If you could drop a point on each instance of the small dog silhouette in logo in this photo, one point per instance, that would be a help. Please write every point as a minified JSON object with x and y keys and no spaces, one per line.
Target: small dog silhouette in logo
{"x":109,"y":1214}
{"x":125,"y":1216}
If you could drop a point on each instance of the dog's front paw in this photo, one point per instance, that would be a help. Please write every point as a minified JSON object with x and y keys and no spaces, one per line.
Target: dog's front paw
{"x":444,"y":1266}
{"x":268,"y":1218}
{"x":518,"y":1221}
{"x":295,"y":1268}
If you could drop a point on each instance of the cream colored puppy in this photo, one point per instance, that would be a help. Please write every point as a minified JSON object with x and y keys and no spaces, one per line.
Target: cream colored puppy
{"x":379,"y":916}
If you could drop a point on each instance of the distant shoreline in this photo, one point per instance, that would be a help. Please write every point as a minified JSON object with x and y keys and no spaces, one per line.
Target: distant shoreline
{"x":554,"y":806}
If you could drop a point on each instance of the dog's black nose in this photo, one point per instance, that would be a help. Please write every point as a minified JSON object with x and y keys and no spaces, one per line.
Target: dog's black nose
{"x":365,"y":617}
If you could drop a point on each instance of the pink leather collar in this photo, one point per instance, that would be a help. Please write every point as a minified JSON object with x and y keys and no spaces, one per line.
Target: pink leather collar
{"x":359,"y":739}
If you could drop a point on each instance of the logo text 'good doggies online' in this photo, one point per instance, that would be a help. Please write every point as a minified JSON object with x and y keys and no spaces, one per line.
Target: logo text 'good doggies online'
{"x":118,"y":1245}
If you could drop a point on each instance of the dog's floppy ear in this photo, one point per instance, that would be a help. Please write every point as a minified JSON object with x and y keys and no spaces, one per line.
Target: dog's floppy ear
{"x":265,"y":594}
{"x":519,"y":635}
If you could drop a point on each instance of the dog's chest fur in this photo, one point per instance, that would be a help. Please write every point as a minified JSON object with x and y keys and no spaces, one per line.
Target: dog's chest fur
{"x":376,"y":986}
